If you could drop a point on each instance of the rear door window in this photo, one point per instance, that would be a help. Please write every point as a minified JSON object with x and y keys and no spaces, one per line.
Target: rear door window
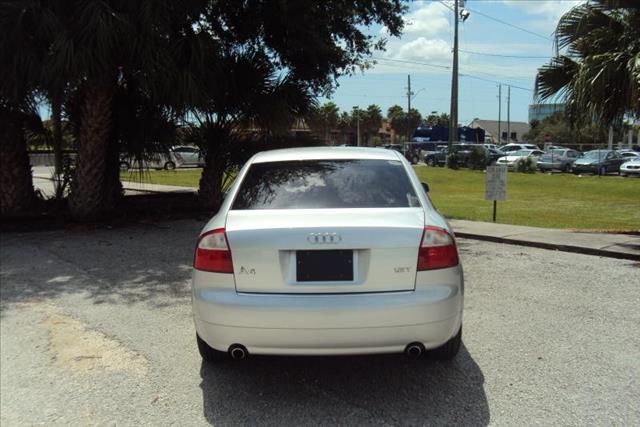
{"x":313,"y":184}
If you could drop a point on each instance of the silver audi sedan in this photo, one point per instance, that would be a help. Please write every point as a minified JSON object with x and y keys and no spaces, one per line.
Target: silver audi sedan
{"x":327,"y":251}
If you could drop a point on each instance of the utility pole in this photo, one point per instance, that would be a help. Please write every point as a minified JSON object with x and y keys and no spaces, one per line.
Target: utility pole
{"x":508,"y":114}
{"x":499,"y":113}
{"x":409,"y":95}
{"x":453,"y":113}
{"x":358,"y":128}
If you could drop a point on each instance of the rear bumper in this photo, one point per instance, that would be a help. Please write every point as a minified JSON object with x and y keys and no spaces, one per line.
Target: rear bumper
{"x":328,"y":324}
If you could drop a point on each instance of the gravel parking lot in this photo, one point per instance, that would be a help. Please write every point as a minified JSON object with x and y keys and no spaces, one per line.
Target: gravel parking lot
{"x":96,"y":328}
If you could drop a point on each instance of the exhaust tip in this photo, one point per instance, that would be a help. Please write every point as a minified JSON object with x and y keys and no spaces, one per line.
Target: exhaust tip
{"x":414,"y":350}
{"x":238,"y":352}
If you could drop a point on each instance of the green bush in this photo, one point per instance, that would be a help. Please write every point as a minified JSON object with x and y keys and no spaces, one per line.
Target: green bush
{"x":525,"y":165}
{"x":477,"y":159}
{"x":453,"y":162}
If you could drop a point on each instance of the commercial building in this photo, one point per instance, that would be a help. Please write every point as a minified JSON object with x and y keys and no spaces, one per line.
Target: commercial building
{"x":517,"y":130}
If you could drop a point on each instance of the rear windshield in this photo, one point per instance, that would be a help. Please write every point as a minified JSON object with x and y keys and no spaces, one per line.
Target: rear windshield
{"x":313,"y":184}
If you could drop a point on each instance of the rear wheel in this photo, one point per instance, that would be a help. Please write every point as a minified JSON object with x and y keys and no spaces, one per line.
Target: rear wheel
{"x":603,"y":170}
{"x":448,"y":350}
{"x":567,"y":168}
{"x":124,"y":166}
{"x":169,"y":166}
{"x":209,"y":354}
{"x":431,"y":161}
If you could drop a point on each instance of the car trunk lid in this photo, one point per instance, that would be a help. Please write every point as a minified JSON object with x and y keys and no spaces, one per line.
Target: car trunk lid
{"x":276,"y":251}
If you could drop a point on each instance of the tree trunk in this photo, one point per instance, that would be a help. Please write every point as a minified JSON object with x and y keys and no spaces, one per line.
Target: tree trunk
{"x":16,"y":182}
{"x":210,"y":191}
{"x":56,"y":119}
{"x":113,"y":190}
{"x":87,"y":197}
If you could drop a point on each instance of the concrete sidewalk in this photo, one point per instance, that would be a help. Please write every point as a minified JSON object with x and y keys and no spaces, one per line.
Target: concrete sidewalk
{"x":625,"y":246}
{"x":43,"y":181}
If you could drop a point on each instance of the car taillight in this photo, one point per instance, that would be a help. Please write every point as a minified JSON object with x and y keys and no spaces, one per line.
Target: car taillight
{"x":437,"y":249}
{"x":212,"y":253}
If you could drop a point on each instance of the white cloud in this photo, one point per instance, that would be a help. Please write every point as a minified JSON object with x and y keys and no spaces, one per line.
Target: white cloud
{"x":546,"y":13}
{"x":423,"y":49}
{"x":550,"y":8}
{"x":429,"y":19}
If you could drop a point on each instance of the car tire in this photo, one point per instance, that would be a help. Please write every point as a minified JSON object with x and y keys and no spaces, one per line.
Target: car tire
{"x":124,"y":166}
{"x":603,"y":171}
{"x":624,"y":175}
{"x":566,"y":168}
{"x":208,"y":354}
{"x":415,"y":160}
{"x":169,"y":166}
{"x":431,"y":162}
{"x":448,"y":350}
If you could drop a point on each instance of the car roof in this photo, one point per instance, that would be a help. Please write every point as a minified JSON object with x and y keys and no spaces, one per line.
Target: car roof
{"x":314,"y":153}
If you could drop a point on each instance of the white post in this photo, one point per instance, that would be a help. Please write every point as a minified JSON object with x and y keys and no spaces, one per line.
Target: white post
{"x":630,"y":138}
{"x":610,"y":143}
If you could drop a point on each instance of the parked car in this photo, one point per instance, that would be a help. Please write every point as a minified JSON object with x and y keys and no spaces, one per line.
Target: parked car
{"x":629,"y":154}
{"x":511,"y":159}
{"x":599,"y":162}
{"x":155,"y":160}
{"x":188,"y":156}
{"x":424,"y":148}
{"x":509,"y":148}
{"x":492,"y":146}
{"x":409,"y":152}
{"x":439,"y":158}
{"x":630,"y":167}
{"x":317,"y":251}
{"x":559,"y":159}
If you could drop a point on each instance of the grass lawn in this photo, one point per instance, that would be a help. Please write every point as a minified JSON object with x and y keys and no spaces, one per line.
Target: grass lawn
{"x":539,"y":200}
{"x":182,"y":177}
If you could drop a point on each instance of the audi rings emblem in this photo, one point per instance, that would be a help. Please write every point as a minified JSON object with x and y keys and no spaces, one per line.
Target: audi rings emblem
{"x":323,"y":238}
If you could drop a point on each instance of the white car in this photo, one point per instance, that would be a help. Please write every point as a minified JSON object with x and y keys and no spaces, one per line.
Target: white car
{"x":188,"y":156}
{"x":511,"y":160}
{"x":631,"y":167}
{"x":508,"y":148}
{"x":327,"y":251}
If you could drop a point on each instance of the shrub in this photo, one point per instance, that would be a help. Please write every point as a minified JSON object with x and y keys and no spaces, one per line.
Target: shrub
{"x":453,"y":162}
{"x":477,"y":159}
{"x":525,"y":165}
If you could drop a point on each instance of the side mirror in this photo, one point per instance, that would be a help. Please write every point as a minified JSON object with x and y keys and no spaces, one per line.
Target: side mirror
{"x":425,"y":186}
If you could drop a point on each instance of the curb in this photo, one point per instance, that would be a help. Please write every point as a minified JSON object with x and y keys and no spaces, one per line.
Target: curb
{"x":551,"y":246}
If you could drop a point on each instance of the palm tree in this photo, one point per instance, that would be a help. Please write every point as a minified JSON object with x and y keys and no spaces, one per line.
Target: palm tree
{"x":372,"y":122}
{"x":20,"y":65}
{"x":323,"y":120}
{"x":251,"y":96}
{"x":598,"y":73}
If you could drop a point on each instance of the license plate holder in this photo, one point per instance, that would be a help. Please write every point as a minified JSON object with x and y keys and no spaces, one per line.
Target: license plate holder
{"x":334,"y":265}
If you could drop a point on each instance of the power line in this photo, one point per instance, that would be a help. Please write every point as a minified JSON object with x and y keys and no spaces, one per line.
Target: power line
{"x":503,"y":56}
{"x":509,"y":24}
{"x":448,"y":68}
{"x":444,"y":67}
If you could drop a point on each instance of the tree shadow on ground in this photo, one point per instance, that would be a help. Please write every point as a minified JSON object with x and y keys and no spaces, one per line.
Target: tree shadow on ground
{"x":356,"y":390}
{"x":148,"y":263}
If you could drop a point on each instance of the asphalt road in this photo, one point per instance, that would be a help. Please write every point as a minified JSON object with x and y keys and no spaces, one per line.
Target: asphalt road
{"x":95,"y":328}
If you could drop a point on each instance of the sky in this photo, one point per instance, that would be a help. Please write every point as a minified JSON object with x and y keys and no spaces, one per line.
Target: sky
{"x":428,"y":38}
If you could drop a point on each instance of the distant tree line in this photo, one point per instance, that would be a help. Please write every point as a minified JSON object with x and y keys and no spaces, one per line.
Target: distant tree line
{"x":325,"y":120}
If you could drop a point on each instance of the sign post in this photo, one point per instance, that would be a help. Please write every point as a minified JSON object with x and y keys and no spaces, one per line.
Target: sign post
{"x":495,"y":186}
